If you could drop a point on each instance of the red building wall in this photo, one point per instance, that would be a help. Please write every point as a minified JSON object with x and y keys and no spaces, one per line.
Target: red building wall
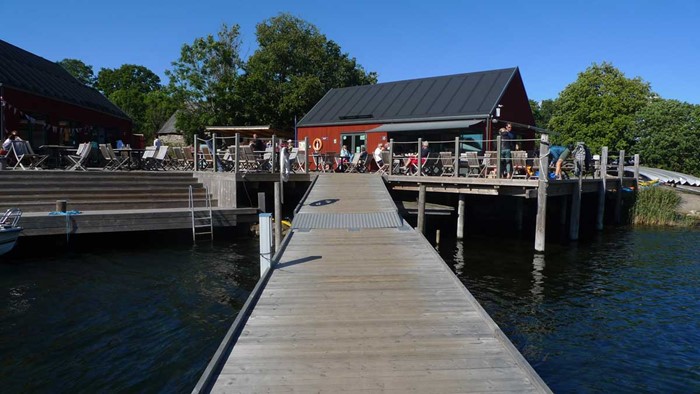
{"x":54,"y":112}
{"x":330,"y":135}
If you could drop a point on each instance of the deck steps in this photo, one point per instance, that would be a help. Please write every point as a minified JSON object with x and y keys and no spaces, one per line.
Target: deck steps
{"x":37,"y":191}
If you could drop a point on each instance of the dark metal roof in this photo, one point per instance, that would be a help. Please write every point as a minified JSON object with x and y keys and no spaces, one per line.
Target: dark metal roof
{"x":25,"y":71}
{"x":460,"y":96}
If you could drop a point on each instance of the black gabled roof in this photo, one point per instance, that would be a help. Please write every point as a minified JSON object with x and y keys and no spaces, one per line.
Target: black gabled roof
{"x":447,"y":97}
{"x":31,"y":73}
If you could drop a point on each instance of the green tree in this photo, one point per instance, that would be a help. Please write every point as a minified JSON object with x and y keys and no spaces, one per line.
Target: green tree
{"x":127,"y":77}
{"x":81,"y":71}
{"x":159,"y":107}
{"x":599,"y":108}
{"x":542,"y":112}
{"x":203,"y":80}
{"x":667,"y":134}
{"x":293,"y":67}
{"x":137,"y":91}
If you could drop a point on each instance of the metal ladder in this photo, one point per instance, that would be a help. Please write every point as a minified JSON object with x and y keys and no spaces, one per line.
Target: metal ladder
{"x":202,"y":225}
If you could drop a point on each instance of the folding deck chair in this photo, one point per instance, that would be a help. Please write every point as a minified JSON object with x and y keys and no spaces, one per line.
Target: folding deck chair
{"x":473,"y":165}
{"x":519,"y":158}
{"x":24,"y":154}
{"x":80,"y":157}
{"x":490,"y":167}
{"x":448,"y":166}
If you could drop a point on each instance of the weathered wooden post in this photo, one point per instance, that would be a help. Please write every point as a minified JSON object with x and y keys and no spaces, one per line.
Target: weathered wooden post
{"x":600,"y":218}
{"x":575,"y":208}
{"x":498,"y":156}
{"x":237,"y":157}
{"x":196,"y":153}
{"x":61,"y":205}
{"x":213,"y":152}
{"x":542,"y":181}
{"x":278,"y":216}
{"x":273,"y":160}
{"x":262,"y":205}
{"x":265,"y":220}
{"x":391,"y":156}
{"x":460,"y":215}
{"x":456,"y":163}
{"x":306,"y":154}
{"x":636,"y":171}
{"x":421,"y":209}
{"x":618,"y":196}
{"x":420,"y":158}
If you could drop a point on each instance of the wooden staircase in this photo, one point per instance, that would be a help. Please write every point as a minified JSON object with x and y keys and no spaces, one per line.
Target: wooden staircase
{"x":37,"y":191}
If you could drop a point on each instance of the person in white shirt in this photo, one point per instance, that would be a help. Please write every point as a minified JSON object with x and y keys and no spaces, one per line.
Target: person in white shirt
{"x":156,"y":142}
{"x":378,"y":155}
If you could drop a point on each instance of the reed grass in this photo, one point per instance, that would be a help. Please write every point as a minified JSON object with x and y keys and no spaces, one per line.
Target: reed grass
{"x":657,"y":206}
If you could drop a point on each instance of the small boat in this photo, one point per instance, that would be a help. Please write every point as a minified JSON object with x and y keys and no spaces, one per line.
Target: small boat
{"x":9,"y":230}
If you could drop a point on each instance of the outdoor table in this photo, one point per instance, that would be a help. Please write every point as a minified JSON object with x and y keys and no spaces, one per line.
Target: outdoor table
{"x":134,"y":155}
{"x":56,"y":154}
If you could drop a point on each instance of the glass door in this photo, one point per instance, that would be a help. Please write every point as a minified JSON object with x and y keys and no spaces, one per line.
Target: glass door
{"x":353,"y":141}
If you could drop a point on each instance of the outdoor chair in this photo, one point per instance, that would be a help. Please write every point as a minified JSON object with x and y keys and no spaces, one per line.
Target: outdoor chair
{"x":473,"y":165}
{"x":80,"y":158}
{"x":147,"y":157}
{"x":110,"y":162}
{"x":23,"y":155}
{"x":519,"y":158}
{"x":386,"y":158}
{"x":180,"y":159}
{"x":490,"y":167}
{"x":189,"y":158}
{"x":352,"y":165}
{"x":160,"y":158}
{"x":448,"y":167}
{"x":206,"y":160}
{"x":431,"y":165}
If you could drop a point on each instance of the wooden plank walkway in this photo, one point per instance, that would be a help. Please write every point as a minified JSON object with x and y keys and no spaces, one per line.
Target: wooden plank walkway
{"x":368,"y":310}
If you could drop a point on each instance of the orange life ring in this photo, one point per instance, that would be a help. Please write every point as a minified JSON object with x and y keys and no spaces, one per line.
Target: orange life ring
{"x":317,"y":144}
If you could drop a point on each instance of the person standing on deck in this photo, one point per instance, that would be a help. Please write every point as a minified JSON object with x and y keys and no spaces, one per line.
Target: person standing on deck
{"x":378,"y":155}
{"x":507,"y":138}
{"x":558,"y":154}
{"x":156,"y":142}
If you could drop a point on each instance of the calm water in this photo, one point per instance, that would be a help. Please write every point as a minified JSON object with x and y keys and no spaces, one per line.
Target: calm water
{"x":143,"y":318}
{"x":620,"y":313}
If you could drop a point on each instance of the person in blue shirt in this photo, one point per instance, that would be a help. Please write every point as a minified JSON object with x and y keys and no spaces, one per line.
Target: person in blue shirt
{"x":558,"y":154}
{"x":507,"y":138}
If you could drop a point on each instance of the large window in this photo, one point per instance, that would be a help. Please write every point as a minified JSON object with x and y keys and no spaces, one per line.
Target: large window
{"x":353,"y":141}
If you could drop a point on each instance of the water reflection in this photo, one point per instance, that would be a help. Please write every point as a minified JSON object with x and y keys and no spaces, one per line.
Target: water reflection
{"x":537,"y":276}
{"x":616,"y":313}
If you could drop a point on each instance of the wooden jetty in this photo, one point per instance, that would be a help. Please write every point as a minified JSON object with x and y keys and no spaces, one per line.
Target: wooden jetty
{"x":360,"y":301}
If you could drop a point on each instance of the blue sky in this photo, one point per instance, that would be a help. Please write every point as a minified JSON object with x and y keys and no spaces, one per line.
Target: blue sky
{"x":551,"y":41}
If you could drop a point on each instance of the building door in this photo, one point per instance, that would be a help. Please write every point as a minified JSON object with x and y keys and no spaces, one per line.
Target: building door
{"x":353,"y":141}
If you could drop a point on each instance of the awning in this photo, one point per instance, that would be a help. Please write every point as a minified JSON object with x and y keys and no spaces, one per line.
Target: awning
{"x":421,"y":126}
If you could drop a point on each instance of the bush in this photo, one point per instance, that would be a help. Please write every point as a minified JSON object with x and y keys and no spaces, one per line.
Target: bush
{"x":657,"y":206}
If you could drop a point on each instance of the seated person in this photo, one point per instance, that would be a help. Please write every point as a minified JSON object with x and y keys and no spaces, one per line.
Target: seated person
{"x":424,"y":150}
{"x":378,"y":155}
{"x":558,"y":154}
{"x":344,"y":157}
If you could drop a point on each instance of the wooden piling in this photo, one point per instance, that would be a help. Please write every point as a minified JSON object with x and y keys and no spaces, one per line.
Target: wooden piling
{"x":420,"y":160}
{"x":575,"y":208}
{"x":460,"y":216}
{"x":421,"y":209}
{"x":541,"y":220}
{"x":636,"y":171}
{"x":618,"y":196}
{"x":278,"y":217}
{"x":600,"y":218}
{"x":456,"y":161}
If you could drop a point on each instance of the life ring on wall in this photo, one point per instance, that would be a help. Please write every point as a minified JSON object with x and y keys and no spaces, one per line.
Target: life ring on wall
{"x":317,"y":144}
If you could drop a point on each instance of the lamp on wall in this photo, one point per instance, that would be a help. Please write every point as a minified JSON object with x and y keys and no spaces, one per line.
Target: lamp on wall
{"x":498,"y":110}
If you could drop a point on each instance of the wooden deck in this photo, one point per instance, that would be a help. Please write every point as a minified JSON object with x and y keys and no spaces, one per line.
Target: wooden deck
{"x":367,"y":308}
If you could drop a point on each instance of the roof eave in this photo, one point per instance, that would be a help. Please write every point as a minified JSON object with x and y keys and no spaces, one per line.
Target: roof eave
{"x":387,"y":121}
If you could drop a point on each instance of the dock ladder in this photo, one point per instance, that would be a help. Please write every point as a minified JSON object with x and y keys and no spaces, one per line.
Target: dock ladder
{"x":202,"y":225}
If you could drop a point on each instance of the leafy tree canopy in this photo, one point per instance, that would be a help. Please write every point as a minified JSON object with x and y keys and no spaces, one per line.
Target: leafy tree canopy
{"x":81,"y":71}
{"x":127,"y":77}
{"x":204,"y":80}
{"x":599,"y":108}
{"x":294,"y":66}
{"x":542,"y":112}
{"x":668,"y":135}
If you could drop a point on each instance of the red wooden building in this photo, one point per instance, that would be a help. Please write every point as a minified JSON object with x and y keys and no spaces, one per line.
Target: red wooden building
{"x":48,"y":106}
{"x":472,"y":106}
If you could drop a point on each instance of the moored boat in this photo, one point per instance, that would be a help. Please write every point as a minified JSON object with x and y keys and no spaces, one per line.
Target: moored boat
{"x":9,"y":229}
